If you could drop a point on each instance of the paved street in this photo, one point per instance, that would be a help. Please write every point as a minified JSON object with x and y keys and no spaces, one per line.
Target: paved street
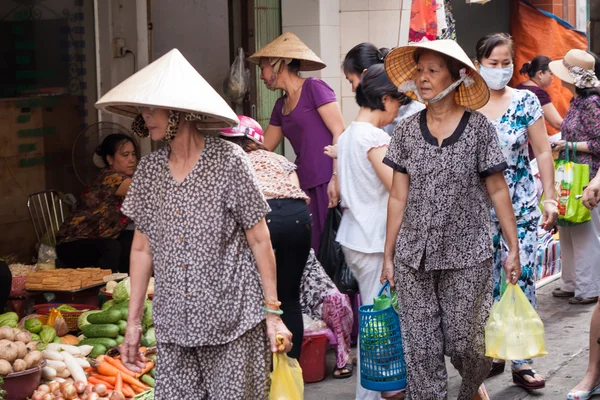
{"x":567,"y":330}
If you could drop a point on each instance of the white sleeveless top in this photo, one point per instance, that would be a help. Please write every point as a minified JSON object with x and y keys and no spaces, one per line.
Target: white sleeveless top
{"x":364,"y":196}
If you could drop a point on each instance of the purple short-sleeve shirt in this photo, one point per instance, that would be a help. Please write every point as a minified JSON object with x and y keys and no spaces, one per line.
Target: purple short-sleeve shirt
{"x":307,"y":132}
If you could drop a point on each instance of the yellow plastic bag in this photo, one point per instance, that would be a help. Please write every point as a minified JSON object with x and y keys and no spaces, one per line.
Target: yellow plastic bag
{"x":514,"y":330}
{"x":286,"y":379}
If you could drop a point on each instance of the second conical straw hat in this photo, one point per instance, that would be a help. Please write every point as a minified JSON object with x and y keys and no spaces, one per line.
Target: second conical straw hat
{"x":289,"y":45}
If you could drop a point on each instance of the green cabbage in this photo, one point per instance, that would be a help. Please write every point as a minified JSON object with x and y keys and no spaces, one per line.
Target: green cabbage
{"x":149,"y":338}
{"x":121,"y":291}
{"x":35,"y":337}
{"x":47,"y":334}
{"x":147,"y":317}
{"x":10,"y":319}
{"x":33,"y":325}
{"x":108,"y":304}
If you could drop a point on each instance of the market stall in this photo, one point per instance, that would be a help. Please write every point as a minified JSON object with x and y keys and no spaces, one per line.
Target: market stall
{"x":63,"y":351}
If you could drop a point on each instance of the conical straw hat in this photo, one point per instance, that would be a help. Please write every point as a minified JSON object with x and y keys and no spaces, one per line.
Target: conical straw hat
{"x":289,"y":46}
{"x":170,"y":83}
{"x":400,"y":67}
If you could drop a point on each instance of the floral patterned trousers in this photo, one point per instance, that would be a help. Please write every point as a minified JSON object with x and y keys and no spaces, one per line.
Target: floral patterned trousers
{"x":444,"y":313}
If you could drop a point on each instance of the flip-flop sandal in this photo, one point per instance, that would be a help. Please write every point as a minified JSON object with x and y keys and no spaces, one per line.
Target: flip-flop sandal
{"x":583,"y":300}
{"x":497,"y":369}
{"x":343,"y":375}
{"x":519,"y":380}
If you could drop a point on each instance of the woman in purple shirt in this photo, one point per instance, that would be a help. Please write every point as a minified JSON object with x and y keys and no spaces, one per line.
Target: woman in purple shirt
{"x":308,"y":115}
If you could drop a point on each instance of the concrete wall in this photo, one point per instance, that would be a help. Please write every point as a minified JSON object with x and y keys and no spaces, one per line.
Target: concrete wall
{"x":200,"y":30}
{"x":475,"y":20}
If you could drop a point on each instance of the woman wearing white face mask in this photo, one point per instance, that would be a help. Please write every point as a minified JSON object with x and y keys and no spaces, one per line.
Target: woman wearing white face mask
{"x":518,"y":118}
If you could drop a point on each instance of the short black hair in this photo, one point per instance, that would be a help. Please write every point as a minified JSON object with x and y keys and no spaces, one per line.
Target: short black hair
{"x":587,"y":92}
{"x":487,"y":44}
{"x":374,"y":85}
{"x":112,"y":143}
{"x":539,"y":63}
{"x":362,"y":56}
{"x":454,"y":66}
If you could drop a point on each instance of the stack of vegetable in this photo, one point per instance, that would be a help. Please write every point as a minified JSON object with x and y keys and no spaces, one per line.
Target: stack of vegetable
{"x":65,"y":361}
{"x":77,"y":390}
{"x":17,"y":351}
{"x":9,"y":319}
{"x":110,"y":371}
{"x":105,"y":328}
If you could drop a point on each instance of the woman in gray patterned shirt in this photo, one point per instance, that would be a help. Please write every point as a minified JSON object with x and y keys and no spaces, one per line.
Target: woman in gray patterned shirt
{"x":200,"y":227}
{"x":438,"y":252}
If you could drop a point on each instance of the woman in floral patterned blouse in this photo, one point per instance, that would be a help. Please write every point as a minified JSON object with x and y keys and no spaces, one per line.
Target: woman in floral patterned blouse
{"x":95,"y":234}
{"x":518,"y":118}
{"x":580,"y":244}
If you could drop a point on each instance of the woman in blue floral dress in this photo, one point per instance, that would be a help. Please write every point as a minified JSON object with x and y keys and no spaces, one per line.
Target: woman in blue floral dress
{"x":518,"y":118}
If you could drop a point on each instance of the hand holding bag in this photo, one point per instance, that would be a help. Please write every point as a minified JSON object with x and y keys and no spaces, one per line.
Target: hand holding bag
{"x":570,"y":178}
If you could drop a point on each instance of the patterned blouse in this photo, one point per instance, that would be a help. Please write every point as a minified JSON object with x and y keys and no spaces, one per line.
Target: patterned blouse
{"x":273,"y":173}
{"x":582,"y":124}
{"x":447,"y":216}
{"x":208,"y":290}
{"x":524,"y":111}
{"x":98,"y":214}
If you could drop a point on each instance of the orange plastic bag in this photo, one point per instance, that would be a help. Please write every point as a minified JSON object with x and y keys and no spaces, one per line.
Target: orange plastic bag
{"x":286,"y":379}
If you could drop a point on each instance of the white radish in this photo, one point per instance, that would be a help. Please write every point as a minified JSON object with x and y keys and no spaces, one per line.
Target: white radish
{"x":48,"y":373}
{"x":59,"y":347}
{"x":83,"y":362}
{"x":63,"y":374}
{"x":53,"y":355}
{"x":74,"y":368}
{"x":85,"y":350}
{"x":58,"y":366}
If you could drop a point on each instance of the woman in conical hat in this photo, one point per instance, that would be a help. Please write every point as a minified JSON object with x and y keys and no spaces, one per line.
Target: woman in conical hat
{"x":308,"y":115}
{"x":200,"y":227}
{"x":438,"y":252}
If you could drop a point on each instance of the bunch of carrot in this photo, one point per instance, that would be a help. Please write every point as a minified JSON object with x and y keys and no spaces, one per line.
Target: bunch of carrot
{"x":111,"y":372}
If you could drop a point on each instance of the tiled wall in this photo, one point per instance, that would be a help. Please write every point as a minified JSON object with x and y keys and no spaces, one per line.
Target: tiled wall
{"x":381,"y":22}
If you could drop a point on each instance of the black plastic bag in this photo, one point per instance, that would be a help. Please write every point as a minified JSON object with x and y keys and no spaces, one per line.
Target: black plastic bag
{"x":332,"y":257}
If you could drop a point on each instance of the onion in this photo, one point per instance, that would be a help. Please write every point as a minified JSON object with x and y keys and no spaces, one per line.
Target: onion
{"x":37,"y":395}
{"x":53,"y":386}
{"x":49,"y":397}
{"x":69,"y":391}
{"x":100,"y":389}
{"x":116,"y":396}
{"x":93,"y":396}
{"x":45,"y":389}
{"x":79,"y":386}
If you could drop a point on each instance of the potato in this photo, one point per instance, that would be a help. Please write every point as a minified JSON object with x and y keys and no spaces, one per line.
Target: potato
{"x":21,"y":349}
{"x":16,"y":331}
{"x":33,"y":359}
{"x":19,"y":365}
{"x":6,"y":332}
{"x":24,"y":337}
{"x":4,"y":343}
{"x":31,"y":346}
{"x":5,"y":368}
{"x":9,"y":352}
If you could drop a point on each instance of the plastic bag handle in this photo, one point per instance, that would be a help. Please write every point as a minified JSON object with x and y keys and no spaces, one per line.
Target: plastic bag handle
{"x":385,"y":287}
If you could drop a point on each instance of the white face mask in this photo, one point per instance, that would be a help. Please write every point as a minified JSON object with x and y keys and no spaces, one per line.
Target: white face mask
{"x":496,"y":78}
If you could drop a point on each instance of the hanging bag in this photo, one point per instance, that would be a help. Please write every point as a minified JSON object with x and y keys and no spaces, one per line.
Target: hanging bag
{"x":514,"y":330}
{"x":331,"y":255}
{"x":286,"y":379}
{"x":570,"y":178}
{"x":382,"y":366}
{"x":237,"y":82}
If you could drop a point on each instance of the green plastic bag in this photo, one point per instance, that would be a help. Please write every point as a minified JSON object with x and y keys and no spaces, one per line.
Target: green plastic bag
{"x":569,"y":180}
{"x":286,"y":379}
{"x":514,"y":330}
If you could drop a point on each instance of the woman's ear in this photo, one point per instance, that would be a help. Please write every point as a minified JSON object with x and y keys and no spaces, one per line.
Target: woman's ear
{"x":476,"y":63}
{"x":110,"y":160}
{"x":363,"y":72}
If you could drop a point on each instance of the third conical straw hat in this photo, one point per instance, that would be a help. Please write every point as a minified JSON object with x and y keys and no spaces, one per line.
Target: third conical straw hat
{"x":400,"y":67}
{"x":289,"y":45}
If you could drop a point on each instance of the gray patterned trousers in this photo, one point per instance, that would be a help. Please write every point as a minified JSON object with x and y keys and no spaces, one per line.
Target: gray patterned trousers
{"x":238,"y":370}
{"x":444,"y":313}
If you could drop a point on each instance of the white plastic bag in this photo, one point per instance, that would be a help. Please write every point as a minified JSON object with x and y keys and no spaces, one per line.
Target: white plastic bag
{"x":237,"y":83}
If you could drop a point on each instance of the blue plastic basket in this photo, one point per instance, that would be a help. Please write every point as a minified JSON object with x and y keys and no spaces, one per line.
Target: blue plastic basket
{"x":382,"y":366}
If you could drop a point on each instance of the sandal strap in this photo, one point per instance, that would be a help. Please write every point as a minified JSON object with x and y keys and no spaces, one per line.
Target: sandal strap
{"x":528,"y":372}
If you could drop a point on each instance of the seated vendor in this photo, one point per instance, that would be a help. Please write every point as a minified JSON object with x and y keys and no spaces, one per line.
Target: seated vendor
{"x":96,"y":234}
